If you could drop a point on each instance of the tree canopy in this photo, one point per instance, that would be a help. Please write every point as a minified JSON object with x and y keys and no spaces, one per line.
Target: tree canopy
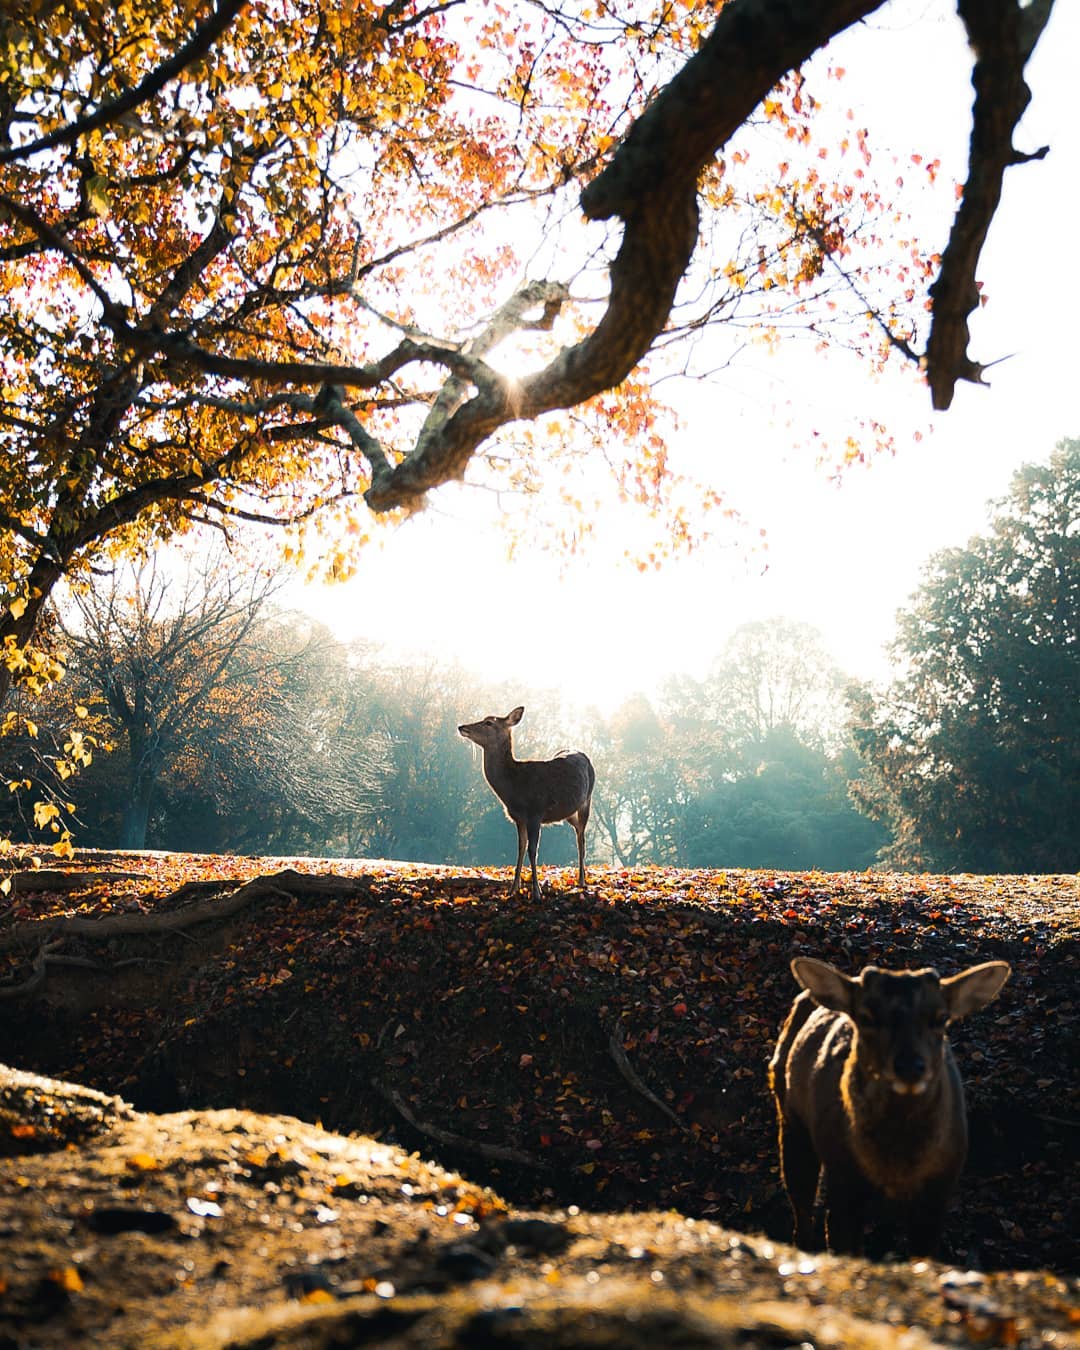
{"x":974,"y":749}
{"x":258,"y":260}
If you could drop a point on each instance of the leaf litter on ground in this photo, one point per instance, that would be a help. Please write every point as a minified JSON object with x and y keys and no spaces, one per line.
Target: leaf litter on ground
{"x":604,"y":1049}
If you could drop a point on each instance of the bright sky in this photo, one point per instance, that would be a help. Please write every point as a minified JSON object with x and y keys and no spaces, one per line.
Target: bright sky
{"x":843,"y":557}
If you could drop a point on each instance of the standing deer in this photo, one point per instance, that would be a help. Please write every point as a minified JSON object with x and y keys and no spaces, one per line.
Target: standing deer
{"x":868,"y":1093}
{"x":534,"y":792}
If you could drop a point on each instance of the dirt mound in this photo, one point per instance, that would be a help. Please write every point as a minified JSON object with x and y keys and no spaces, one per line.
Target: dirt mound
{"x":226,"y":1228}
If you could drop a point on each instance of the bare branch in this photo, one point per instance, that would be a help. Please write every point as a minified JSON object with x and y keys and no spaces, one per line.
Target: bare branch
{"x":1003,"y":34}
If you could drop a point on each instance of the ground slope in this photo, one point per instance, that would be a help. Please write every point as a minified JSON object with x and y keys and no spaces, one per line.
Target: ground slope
{"x":598,"y":1050}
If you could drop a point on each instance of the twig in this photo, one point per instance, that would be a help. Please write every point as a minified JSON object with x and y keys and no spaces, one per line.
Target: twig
{"x":493,"y":1152}
{"x":622,"y":1063}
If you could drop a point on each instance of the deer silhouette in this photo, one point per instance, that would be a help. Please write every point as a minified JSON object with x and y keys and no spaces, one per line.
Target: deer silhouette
{"x":535,"y":792}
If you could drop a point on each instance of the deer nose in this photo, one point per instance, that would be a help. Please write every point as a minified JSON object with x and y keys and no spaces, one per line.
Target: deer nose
{"x":909,"y":1066}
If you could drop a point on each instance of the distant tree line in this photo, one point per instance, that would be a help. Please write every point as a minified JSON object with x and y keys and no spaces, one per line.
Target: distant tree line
{"x":236,"y":727}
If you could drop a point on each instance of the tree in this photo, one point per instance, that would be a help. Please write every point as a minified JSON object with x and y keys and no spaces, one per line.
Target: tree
{"x":642,"y":788}
{"x":774,"y":675}
{"x":765,"y":745}
{"x":973,"y":751}
{"x":255,"y":260}
{"x":268,"y":769}
{"x":421,"y":793}
{"x":172,"y":659}
{"x":44,"y":742}
{"x":747,"y":768}
{"x":792,"y":811}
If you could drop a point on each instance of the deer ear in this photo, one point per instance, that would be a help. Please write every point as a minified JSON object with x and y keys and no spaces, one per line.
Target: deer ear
{"x":826,"y":985}
{"x":974,"y":988}
{"x":515,"y":717}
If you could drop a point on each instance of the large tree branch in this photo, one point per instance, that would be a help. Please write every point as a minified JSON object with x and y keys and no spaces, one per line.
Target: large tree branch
{"x":1003,"y":35}
{"x":193,"y":50}
{"x":651,"y":185}
{"x":189,"y":271}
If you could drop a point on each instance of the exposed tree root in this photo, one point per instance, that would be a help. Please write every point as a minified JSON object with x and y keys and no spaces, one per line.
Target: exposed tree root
{"x":36,"y":976}
{"x":50,"y":879}
{"x":493,"y":1152}
{"x":285,"y":885}
{"x":622,"y":1063}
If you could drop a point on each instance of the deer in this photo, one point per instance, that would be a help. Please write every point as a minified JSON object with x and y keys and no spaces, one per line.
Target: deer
{"x":535,"y":792}
{"x":869,"y":1098}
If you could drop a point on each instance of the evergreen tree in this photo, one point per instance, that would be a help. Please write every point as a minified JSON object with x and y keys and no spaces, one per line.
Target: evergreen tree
{"x":973,"y":752}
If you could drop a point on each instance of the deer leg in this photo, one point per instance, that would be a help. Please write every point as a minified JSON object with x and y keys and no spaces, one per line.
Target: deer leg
{"x":799,"y":1168}
{"x":522,"y":838}
{"x":926,"y":1223}
{"x":534,"y":844}
{"x":581,"y":819}
{"x":845,"y":1212}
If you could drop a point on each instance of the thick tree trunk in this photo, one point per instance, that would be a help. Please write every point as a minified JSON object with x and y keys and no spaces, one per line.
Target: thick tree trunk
{"x":136,"y":817}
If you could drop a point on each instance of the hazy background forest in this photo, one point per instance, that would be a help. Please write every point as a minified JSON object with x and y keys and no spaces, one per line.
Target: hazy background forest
{"x":223,"y":722}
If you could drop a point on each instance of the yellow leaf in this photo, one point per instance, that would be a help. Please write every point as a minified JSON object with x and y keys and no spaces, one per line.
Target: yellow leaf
{"x":67,"y":1279}
{"x":417,"y":84}
{"x":97,"y":194}
{"x":142,"y":1162}
{"x":44,"y":812}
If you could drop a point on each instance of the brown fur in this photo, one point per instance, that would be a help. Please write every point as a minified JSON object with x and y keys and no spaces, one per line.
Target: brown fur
{"x":534,"y":792}
{"x":869,"y":1098}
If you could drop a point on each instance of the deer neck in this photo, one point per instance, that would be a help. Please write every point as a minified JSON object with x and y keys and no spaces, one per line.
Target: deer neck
{"x":886,"y":1125}
{"x":499,"y":766}
{"x":899,"y":1140}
